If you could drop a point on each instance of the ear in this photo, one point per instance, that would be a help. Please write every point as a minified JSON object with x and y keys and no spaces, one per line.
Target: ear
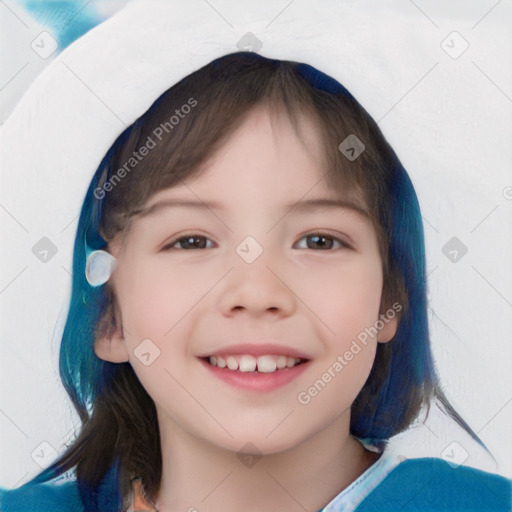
{"x":389,"y":330}
{"x":110,"y":344}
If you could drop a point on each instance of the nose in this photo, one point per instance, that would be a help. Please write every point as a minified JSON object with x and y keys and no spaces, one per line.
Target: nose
{"x":258,"y":288}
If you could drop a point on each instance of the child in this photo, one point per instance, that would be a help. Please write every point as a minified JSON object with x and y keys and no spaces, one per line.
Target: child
{"x":248,"y":320}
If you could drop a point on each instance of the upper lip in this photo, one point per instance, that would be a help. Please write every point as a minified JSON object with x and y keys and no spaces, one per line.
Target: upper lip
{"x":259,"y":349}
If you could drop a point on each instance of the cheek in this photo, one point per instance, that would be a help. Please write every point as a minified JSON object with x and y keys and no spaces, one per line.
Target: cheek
{"x":155,"y":297}
{"x":348,"y":301}
{"x":349,"y":308}
{"x":154,"y":301}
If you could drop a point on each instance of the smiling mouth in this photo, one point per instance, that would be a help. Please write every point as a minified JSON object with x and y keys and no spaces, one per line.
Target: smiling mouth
{"x":247,"y":363}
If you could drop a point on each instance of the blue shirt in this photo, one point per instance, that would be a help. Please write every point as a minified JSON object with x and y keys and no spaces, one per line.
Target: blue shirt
{"x":391,"y":484}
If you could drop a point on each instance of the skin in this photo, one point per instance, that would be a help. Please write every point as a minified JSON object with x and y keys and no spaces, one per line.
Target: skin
{"x":192,"y":301}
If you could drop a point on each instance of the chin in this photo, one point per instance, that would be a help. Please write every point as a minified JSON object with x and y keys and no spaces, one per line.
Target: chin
{"x":259,"y":445}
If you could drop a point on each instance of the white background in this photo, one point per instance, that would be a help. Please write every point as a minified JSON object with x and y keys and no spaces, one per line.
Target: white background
{"x":449,"y":119}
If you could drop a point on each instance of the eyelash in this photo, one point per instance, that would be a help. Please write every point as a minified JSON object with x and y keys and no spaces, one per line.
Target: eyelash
{"x":169,"y":246}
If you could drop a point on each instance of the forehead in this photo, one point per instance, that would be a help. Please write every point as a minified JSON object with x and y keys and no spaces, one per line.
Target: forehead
{"x":267,"y":134}
{"x":267,"y":157}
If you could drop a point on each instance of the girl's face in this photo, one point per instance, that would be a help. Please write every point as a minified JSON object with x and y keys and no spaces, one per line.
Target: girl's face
{"x":223,"y":267}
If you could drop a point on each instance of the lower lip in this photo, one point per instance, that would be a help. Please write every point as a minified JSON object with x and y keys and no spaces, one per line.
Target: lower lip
{"x":256,"y":381}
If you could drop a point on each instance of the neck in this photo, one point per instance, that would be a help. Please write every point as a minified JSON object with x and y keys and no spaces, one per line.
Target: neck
{"x":197,"y":475}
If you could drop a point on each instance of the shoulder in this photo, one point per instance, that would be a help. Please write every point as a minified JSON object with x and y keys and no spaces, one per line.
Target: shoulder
{"x":42,"y":497}
{"x":431,"y":484}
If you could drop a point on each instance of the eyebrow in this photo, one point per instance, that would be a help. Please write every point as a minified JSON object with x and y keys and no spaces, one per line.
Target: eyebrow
{"x":300,"y":207}
{"x":327,"y":204}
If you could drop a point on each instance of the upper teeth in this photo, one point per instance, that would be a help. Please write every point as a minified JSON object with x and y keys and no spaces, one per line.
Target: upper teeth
{"x":249,"y":363}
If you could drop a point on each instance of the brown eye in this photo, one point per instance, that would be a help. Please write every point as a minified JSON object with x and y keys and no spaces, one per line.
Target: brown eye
{"x":188,"y":242}
{"x":323,"y":242}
